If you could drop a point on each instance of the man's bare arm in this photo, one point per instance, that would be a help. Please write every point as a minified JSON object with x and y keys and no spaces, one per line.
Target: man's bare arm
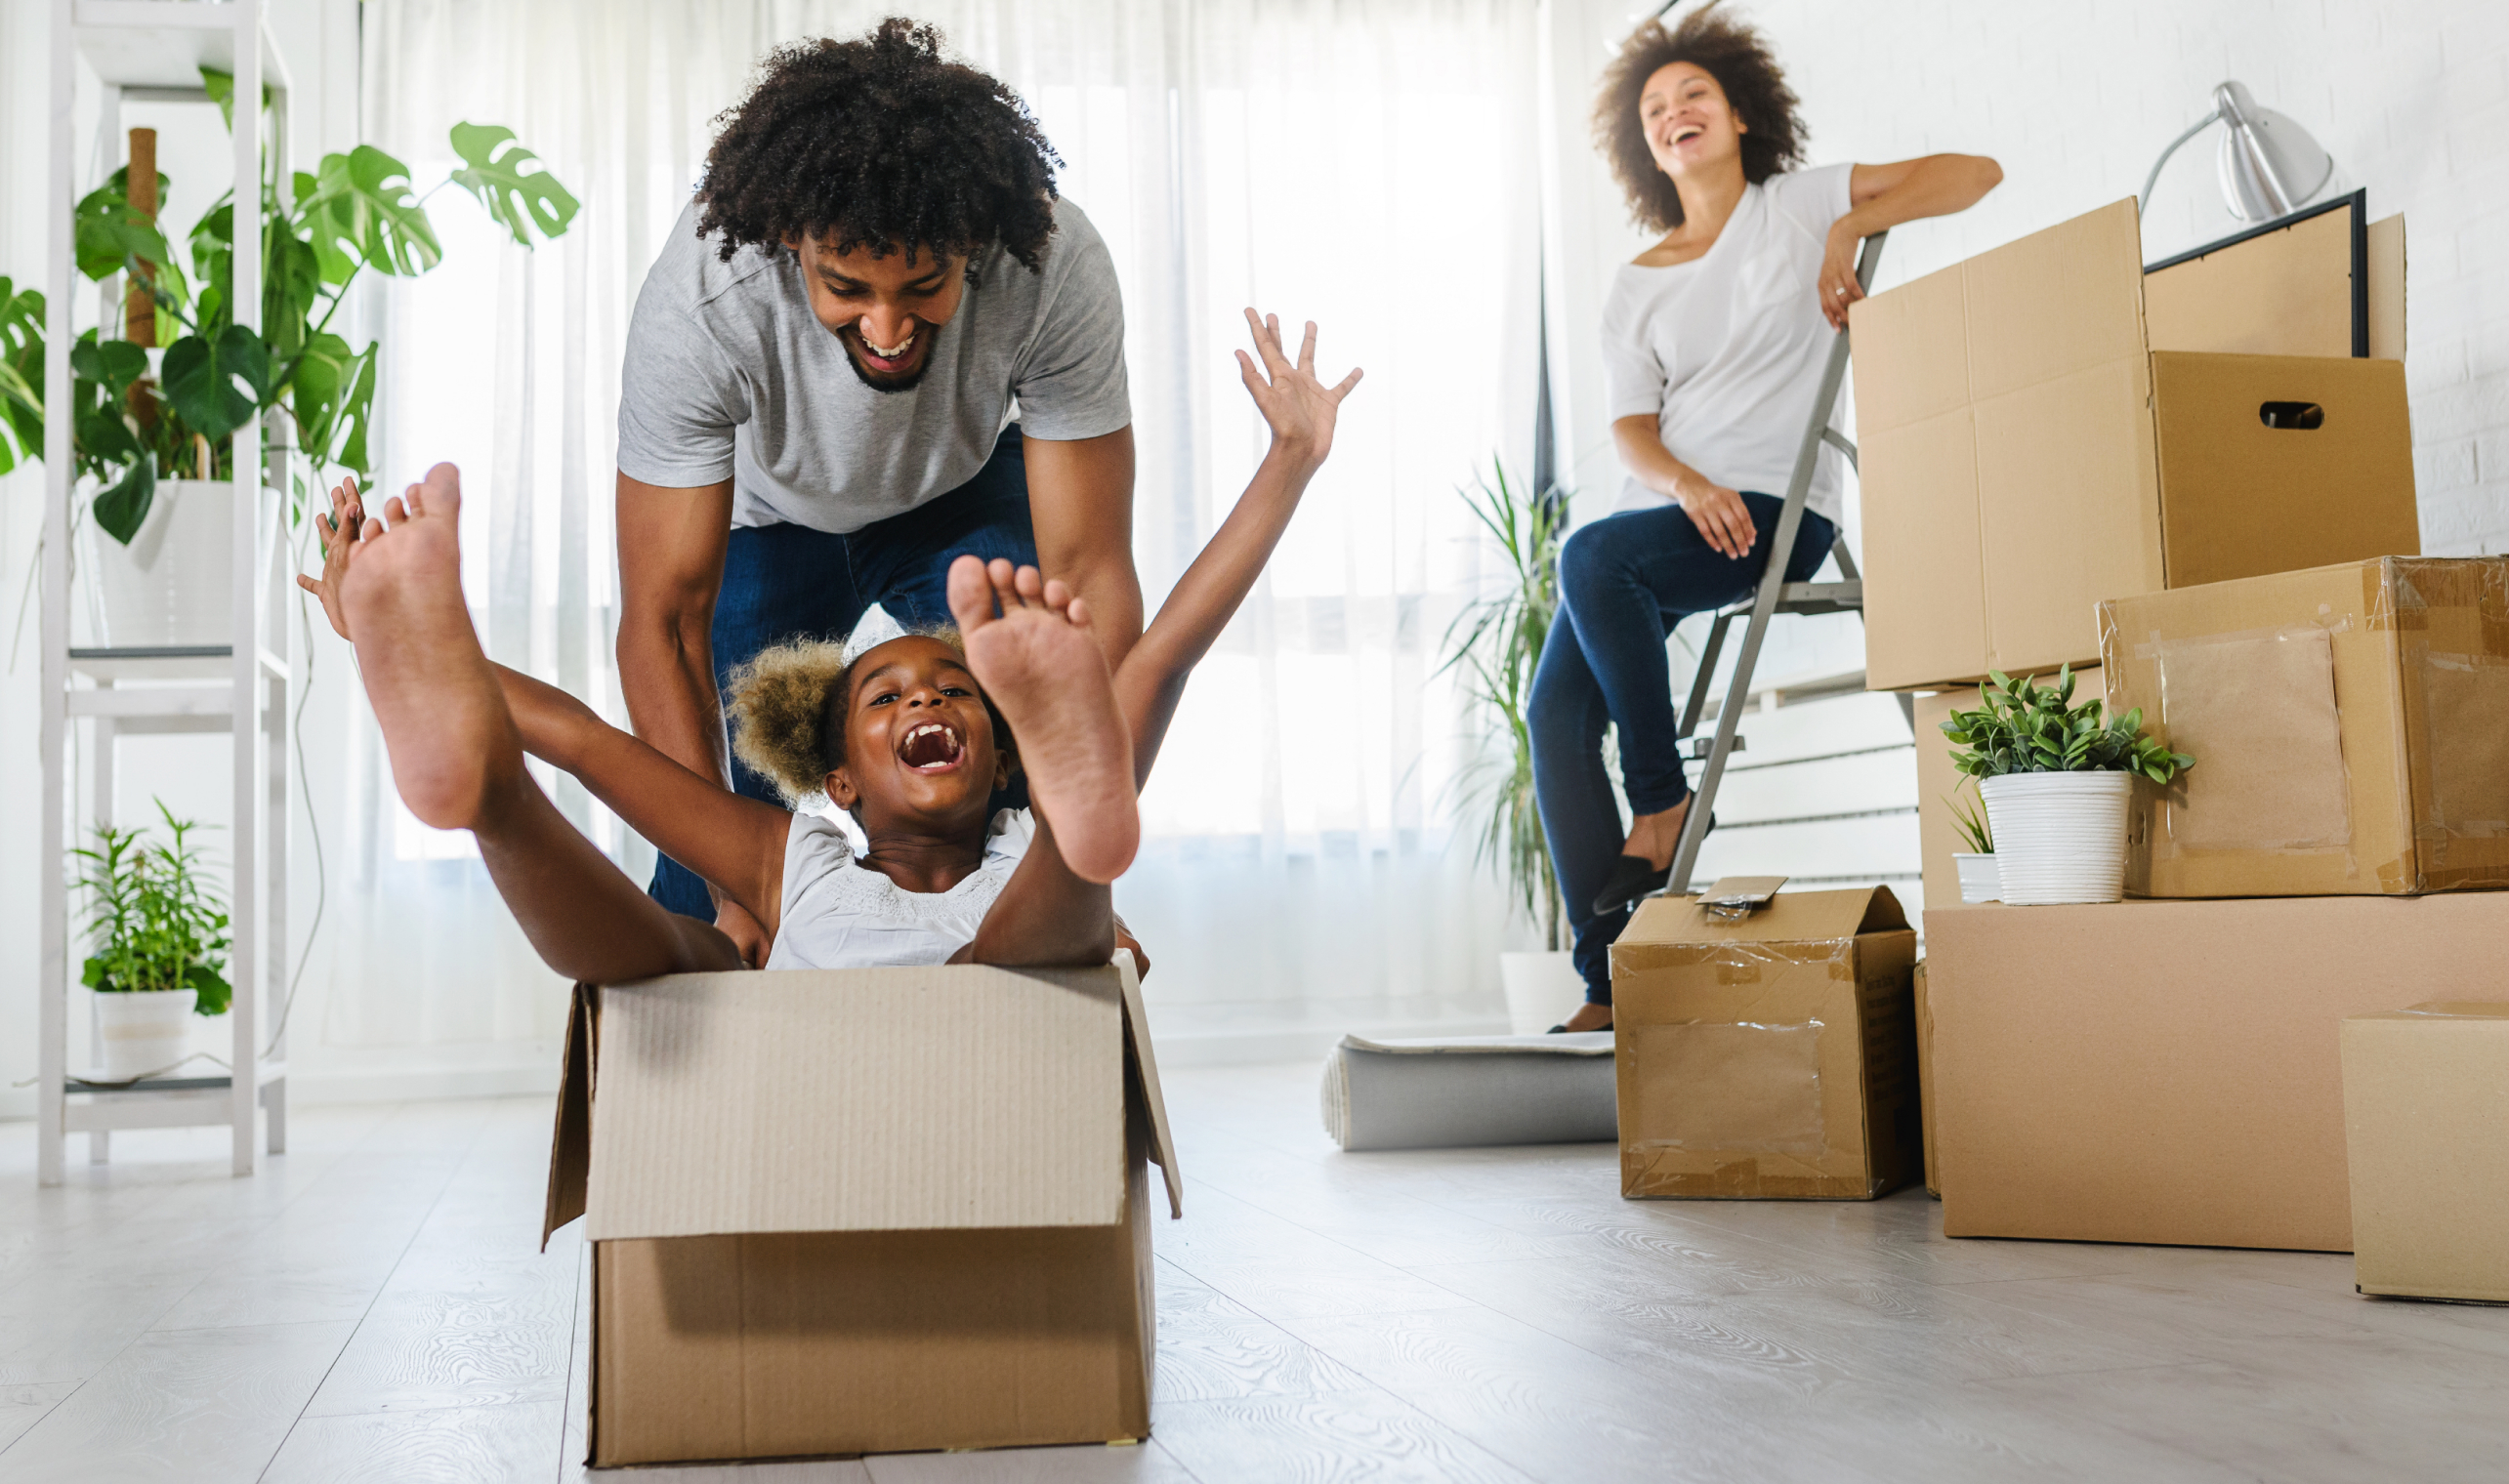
{"x":1080,"y":500}
{"x":671,"y":544}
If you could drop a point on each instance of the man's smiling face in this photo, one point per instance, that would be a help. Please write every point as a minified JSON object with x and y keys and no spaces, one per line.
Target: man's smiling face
{"x":885,"y":311}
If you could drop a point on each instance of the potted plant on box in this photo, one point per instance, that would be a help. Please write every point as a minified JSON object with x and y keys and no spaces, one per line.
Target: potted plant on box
{"x":1980,"y":882}
{"x":1494,"y":642}
{"x":159,"y":931}
{"x":2055,"y":778}
{"x":152,"y":427}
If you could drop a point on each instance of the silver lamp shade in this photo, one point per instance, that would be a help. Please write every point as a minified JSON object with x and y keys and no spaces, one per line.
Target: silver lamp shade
{"x":2270,"y":166}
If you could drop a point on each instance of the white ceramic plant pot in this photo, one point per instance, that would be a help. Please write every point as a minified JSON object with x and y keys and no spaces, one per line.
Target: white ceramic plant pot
{"x":142,"y":1031}
{"x":1543,"y":989}
{"x":1979,"y":880}
{"x":175,"y":582}
{"x":2059,"y":836}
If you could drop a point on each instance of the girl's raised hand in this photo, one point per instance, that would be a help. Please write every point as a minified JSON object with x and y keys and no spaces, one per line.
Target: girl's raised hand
{"x":1299,"y":407}
{"x":341,"y":529}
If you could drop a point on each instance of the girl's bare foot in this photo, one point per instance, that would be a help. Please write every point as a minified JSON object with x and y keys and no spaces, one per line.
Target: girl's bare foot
{"x":451,"y":741}
{"x":1040,"y":664}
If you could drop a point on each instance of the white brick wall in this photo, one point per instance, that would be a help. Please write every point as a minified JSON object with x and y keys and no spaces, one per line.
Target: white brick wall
{"x":2075,"y":99}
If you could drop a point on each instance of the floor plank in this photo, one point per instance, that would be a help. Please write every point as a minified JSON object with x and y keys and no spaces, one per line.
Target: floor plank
{"x":1369,"y":1435}
{"x":182,"y":1406}
{"x":461,"y":1445}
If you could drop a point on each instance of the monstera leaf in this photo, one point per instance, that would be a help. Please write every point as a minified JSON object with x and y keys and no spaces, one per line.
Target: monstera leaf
{"x":120,"y":508}
{"x":332,"y":396}
{"x":291,"y":272}
{"x":202,"y":376}
{"x":363,"y":211}
{"x":111,"y":231}
{"x":21,"y":374}
{"x":493,"y":162}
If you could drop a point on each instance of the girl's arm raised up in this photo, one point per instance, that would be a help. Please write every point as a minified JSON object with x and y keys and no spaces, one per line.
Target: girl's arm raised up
{"x":1301,"y":411}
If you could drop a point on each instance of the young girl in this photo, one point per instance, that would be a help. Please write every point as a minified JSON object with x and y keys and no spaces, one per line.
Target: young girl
{"x":910,"y":737}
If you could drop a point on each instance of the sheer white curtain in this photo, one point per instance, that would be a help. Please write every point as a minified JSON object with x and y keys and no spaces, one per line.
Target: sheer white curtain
{"x":1370,"y":166}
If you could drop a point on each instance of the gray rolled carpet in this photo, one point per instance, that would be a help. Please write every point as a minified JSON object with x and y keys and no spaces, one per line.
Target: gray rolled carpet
{"x":1470,"y":1089}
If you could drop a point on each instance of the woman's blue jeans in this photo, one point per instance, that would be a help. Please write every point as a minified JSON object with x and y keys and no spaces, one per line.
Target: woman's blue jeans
{"x":1625,"y":582}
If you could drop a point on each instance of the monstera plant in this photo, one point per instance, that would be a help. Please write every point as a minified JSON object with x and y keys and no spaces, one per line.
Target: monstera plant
{"x":137,"y":419}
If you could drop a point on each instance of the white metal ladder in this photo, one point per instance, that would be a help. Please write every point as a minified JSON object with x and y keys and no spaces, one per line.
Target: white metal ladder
{"x":1776,"y":595}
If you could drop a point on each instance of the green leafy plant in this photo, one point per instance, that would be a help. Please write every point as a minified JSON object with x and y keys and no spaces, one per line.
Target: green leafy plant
{"x":2024,"y":726}
{"x":1970,"y":820}
{"x":135,"y":421}
{"x":156,"y":923}
{"x":1496,"y":642}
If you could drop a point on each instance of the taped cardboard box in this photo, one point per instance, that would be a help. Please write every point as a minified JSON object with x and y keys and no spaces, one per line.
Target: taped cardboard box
{"x":862,"y":1212}
{"x":2426,"y":1106}
{"x":2169,"y":1072}
{"x":1773,"y":1057}
{"x":1940,"y":786}
{"x":2025,"y":453}
{"x":2349,"y":727}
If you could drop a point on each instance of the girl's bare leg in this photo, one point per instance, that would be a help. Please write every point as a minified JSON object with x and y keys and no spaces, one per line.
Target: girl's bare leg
{"x":458,"y":759}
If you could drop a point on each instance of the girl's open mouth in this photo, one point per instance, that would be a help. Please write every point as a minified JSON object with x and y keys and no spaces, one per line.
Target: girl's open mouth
{"x":932,"y":747}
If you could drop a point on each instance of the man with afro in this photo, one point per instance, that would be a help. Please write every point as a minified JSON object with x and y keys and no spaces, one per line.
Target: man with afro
{"x":816,"y":410}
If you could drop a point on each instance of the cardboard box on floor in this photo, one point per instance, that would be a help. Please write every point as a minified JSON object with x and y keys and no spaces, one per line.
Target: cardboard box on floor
{"x":1940,"y":784}
{"x":2169,"y":1072}
{"x":1773,"y":1057}
{"x":862,"y":1212}
{"x":2026,"y":452}
{"x":2426,"y":1102}
{"x":2349,"y":727}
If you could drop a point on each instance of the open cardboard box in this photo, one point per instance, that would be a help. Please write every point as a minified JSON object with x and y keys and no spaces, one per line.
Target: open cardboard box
{"x":862,"y":1212}
{"x":2028,"y":447}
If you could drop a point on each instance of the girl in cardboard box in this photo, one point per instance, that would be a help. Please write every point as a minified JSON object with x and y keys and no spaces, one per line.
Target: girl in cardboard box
{"x":911,"y":737}
{"x":1713,"y":342}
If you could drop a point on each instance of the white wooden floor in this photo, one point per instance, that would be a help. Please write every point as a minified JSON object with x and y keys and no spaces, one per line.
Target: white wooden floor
{"x":373,"y":1307}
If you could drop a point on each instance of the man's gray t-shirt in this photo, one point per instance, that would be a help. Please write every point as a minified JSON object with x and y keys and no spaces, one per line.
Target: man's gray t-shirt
{"x":728,"y":375}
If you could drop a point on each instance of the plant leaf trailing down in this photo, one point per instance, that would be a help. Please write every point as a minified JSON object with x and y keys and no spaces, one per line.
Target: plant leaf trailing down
{"x":2027,"y":728}
{"x":352,"y":212}
{"x":156,"y":923}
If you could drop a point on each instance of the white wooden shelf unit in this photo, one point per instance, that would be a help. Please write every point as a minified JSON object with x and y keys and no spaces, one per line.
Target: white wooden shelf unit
{"x":152,"y":51}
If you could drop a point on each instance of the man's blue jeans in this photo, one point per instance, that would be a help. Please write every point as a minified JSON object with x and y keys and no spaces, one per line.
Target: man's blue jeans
{"x":1625,"y":582}
{"x":786,"y":582}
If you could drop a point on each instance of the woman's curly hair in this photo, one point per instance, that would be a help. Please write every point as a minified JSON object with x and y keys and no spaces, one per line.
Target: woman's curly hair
{"x":1738,"y":57}
{"x":789,"y":707}
{"x":880,"y":142}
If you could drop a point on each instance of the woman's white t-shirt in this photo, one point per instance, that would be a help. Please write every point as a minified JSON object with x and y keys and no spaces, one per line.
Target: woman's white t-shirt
{"x":839,"y":913}
{"x":1725,"y":350}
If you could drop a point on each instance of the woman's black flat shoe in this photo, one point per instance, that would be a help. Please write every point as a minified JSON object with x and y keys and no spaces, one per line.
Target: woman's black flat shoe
{"x":1563,"y":1029}
{"x":1633,"y":878}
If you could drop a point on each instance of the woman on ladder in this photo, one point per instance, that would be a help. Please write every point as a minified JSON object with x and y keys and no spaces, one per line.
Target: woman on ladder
{"x":1713,"y":340}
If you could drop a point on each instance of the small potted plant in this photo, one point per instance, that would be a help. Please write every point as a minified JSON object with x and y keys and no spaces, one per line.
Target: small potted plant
{"x":1980,"y":882}
{"x":2056,"y":779}
{"x":159,"y":931}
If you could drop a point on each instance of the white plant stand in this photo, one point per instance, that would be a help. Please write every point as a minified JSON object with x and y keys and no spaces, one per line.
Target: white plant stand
{"x":152,"y":51}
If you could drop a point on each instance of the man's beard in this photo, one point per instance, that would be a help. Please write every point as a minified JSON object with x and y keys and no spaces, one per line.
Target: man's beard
{"x":883,"y":380}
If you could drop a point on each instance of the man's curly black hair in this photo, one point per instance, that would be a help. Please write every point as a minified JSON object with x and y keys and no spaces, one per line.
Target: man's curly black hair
{"x":1726,"y":49}
{"x":880,"y":142}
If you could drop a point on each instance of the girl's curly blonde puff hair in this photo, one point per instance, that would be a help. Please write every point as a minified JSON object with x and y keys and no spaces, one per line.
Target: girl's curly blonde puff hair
{"x":788,"y":711}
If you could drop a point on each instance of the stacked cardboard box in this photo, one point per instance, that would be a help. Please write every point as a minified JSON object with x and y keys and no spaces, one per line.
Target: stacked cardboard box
{"x":2036,"y":437}
{"x":2197,"y":483}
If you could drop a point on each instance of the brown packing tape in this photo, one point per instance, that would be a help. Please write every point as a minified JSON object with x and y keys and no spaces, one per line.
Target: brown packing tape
{"x":2265,"y":698}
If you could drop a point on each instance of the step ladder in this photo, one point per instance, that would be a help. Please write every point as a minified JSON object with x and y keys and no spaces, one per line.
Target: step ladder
{"x":1776,"y":595}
